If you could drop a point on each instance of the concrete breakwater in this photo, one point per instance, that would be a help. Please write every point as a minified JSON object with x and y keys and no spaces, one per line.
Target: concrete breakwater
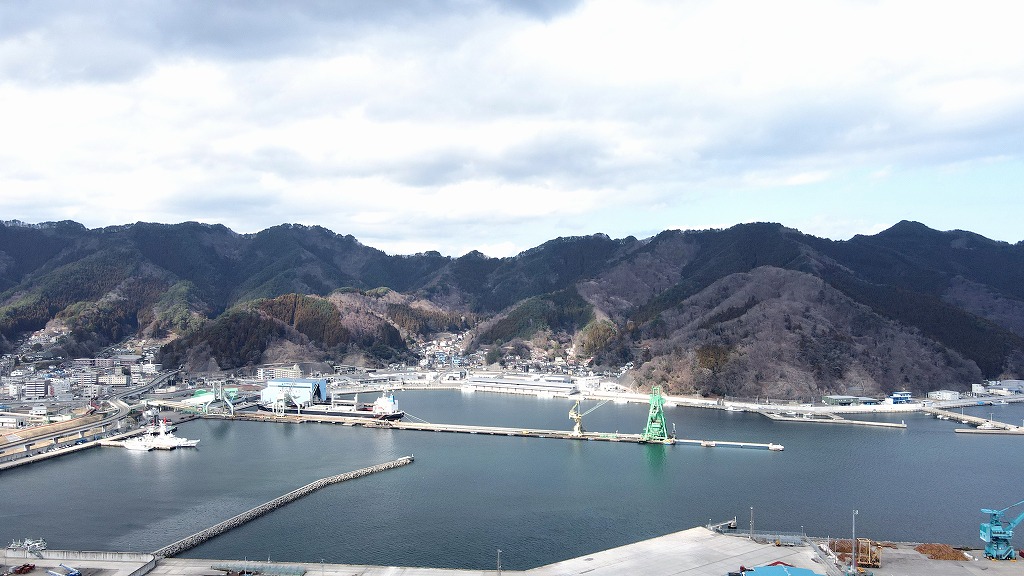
{"x":204,"y":535}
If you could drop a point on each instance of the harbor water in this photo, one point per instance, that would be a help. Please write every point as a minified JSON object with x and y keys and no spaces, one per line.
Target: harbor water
{"x":538,"y":500}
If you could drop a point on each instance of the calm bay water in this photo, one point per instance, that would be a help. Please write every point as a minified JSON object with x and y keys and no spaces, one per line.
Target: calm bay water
{"x":538,"y":500}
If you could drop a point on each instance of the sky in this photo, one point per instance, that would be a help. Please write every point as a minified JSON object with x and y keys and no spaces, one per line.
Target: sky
{"x":419,"y":125}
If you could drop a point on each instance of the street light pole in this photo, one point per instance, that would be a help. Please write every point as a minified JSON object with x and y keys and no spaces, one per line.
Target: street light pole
{"x":751,"y":522}
{"x":499,"y":561}
{"x":853,"y":543}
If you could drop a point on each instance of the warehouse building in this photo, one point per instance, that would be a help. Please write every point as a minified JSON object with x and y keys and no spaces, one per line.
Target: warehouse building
{"x":297,"y":391}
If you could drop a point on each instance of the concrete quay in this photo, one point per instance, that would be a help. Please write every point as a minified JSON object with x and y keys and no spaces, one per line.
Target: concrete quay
{"x":829,"y":419}
{"x":986,"y":426}
{"x":489,"y":430}
{"x":692,"y":552}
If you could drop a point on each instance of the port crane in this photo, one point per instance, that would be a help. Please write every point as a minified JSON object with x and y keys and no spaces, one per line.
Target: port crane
{"x":656,"y":431}
{"x":577,"y":417}
{"x":997,"y":536}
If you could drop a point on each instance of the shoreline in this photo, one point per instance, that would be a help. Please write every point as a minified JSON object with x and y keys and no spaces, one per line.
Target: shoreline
{"x":698,"y":551}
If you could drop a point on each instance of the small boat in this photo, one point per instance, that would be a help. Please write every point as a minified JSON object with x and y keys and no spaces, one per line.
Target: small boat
{"x":708,"y":443}
{"x":776,"y":447}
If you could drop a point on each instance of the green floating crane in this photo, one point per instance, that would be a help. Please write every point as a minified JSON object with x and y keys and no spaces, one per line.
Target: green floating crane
{"x":656,"y":431}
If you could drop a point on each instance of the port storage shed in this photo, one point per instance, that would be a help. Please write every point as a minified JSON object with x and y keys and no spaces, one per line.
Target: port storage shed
{"x":300,"y":391}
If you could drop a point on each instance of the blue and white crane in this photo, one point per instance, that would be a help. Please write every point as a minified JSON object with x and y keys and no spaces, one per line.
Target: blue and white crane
{"x":70,"y":571}
{"x":996,"y":535}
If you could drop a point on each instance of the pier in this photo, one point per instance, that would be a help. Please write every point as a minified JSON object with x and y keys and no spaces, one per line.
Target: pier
{"x":491,"y":430}
{"x":204,"y":535}
{"x":985,"y":425}
{"x":828,"y":418}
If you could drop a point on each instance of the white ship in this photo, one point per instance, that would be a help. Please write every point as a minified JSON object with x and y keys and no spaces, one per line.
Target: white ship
{"x":162,"y":440}
{"x":138,"y":443}
{"x":383,"y":408}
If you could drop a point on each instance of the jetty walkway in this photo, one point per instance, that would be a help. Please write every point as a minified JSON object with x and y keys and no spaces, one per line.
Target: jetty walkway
{"x":828,"y":418}
{"x":985,"y":425}
{"x":204,"y":535}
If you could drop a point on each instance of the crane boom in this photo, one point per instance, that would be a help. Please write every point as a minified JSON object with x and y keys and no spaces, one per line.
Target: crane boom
{"x":602,"y":403}
{"x":577,"y":417}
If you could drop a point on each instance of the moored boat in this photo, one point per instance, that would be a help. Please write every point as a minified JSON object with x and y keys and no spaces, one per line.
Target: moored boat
{"x":383,"y":408}
{"x":162,"y":440}
{"x":138,"y":444}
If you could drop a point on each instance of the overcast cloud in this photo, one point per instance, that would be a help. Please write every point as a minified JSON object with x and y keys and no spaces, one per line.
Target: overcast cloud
{"x":495,"y":126}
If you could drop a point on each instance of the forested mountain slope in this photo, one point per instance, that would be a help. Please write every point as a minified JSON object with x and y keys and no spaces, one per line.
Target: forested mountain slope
{"x":753,"y":309}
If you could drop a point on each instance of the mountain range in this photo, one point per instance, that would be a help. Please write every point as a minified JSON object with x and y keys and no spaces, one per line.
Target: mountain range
{"x":752,"y":310}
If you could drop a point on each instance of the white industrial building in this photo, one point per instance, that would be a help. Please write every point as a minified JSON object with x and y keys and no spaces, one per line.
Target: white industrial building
{"x":1006,"y":387}
{"x":297,"y":391}
{"x":519,"y":385}
{"x":11,"y":420}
